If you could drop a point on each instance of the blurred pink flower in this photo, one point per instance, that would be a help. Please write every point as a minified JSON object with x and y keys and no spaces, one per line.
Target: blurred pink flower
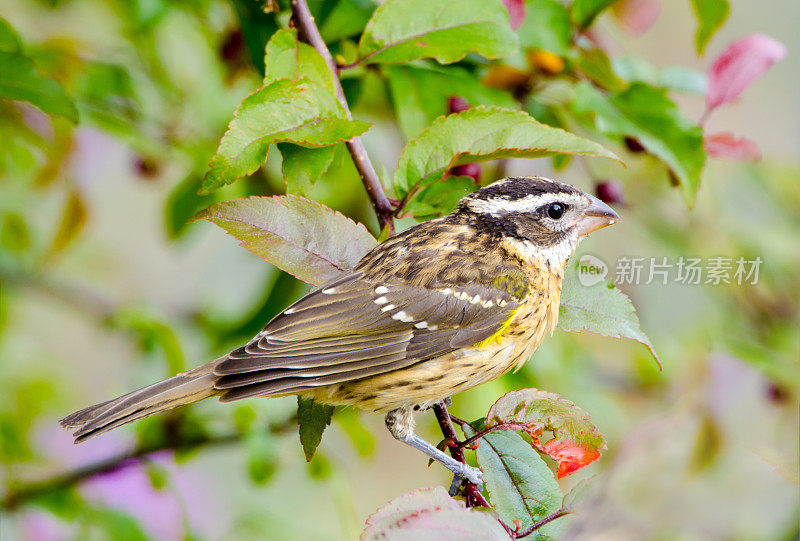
{"x":637,"y":16}
{"x":516,"y":12}
{"x":726,"y":145}
{"x":128,"y":488}
{"x":740,"y":64}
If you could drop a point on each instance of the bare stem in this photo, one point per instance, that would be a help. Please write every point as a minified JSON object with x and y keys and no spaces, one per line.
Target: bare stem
{"x":546,"y":520}
{"x":309,"y":32}
{"x":60,"y":481}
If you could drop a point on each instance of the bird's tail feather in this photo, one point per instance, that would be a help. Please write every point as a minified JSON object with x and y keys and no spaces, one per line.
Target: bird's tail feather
{"x":184,"y":388}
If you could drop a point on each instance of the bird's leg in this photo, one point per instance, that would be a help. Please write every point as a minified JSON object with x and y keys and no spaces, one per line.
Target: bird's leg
{"x":400,"y":423}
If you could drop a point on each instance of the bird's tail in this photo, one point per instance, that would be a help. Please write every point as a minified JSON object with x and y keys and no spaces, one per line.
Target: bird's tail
{"x":184,"y":388}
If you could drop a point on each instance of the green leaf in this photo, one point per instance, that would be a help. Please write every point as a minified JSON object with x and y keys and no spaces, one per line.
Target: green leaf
{"x":647,"y":114}
{"x":483,"y":134}
{"x":576,"y":441}
{"x":595,"y":64}
{"x":599,"y":308}
{"x":300,"y":112}
{"x":546,"y":26}
{"x":105,"y":95}
{"x":9,"y":40}
{"x":584,"y":12}
{"x":262,"y":456}
{"x":313,"y":418}
{"x":362,"y":439}
{"x":346,"y":18}
{"x":428,"y":514}
{"x":683,"y":79}
{"x":302,"y":237}
{"x":288,"y":58}
{"x":711,"y":15}
{"x":19,"y":80}
{"x":405,"y":30}
{"x":520,"y":485}
{"x":183,"y":203}
{"x":420,"y":94}
{"x":303,"y":167}
{"x":440,"y":197}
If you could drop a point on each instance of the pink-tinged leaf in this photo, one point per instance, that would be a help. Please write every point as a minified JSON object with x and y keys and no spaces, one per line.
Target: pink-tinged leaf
{"x":637,"y":16}
{"x":576,"y":441}
{"x":739,"y":65}
{"x":302,"y":237}
{"x":516,"y":12}
{"x":429,"y":513}
{"x":727,"y":145}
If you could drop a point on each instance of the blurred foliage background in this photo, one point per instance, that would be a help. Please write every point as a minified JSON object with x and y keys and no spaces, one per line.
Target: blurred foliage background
{"x":104,"y":287}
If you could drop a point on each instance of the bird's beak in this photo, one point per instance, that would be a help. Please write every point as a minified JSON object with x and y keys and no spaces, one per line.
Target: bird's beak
{"x":596,"y":216}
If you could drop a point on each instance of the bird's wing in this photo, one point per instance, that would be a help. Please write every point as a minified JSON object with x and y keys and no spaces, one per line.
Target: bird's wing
{"x":355,"y":327}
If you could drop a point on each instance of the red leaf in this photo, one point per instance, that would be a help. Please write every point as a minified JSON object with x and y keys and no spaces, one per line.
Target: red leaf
{"x":571,"y":456}
{"x":516,"y":12}
{"x":637,"y":16}
{"x":739,"y":65}
{"x":576,"y":441}
{"x":726,"y":145}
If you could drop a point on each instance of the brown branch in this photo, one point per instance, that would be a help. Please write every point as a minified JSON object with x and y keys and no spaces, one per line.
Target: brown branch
{"x":22,"y":494}
{"x":309,"y":32}
{"x":546,"y":520}
{"x":474,"y":496}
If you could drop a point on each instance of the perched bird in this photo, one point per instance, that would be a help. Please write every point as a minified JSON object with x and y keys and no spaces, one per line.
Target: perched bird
{"x":437,"y":309}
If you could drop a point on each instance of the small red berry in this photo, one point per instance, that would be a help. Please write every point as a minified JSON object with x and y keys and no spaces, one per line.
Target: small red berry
{"x":610,"y":191}
{"x":467,"y":170}
{"x":456,"y":104}
{"x":634,"y":145}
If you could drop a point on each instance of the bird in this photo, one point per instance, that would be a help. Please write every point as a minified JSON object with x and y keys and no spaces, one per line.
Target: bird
{"x":444,"y":306}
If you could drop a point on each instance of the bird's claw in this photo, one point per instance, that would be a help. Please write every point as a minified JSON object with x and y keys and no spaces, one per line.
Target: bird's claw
{"x":466,"y":473}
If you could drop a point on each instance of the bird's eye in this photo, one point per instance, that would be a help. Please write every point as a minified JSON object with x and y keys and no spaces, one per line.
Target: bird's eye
{"x":556,"y":210}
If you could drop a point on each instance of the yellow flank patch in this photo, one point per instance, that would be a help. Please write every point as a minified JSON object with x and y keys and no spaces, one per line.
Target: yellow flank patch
{"x":498,"y":335}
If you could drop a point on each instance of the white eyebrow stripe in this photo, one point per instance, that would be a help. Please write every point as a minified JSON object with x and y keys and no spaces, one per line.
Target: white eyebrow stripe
{"x":528,"y":203}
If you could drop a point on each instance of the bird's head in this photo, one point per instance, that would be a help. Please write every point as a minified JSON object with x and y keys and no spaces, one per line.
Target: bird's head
{"x":539,"y":218}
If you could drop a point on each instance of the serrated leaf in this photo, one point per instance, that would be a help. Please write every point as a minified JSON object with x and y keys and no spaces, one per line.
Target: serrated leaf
{"x":429,"y":514}
{"x":302,"y":237}
{"x":288,"y":58}
{"x":405,"y":30}
{"x":303,"y":167}
{"x":301,"y":112}
{"x":483,"y":134}
{"x":19,"y":80}
{"x":546,"y":26}
{"x":312,"y":418}
{"x":576,"y":441}
{"x":420,"y":94}
{"x":711,"y":15}
{"x":520,"y":485}
{"x":584,"y":12}
{"x":647,"y":114}
{"x":599,"y":308}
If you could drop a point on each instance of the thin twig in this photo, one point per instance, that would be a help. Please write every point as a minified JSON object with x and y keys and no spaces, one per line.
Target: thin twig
{"x":502,"y":426}
{"x":309,"y":32}
{"x":546,"y":520}
{"x":60,"y":481}
{"x":474,"y":496}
